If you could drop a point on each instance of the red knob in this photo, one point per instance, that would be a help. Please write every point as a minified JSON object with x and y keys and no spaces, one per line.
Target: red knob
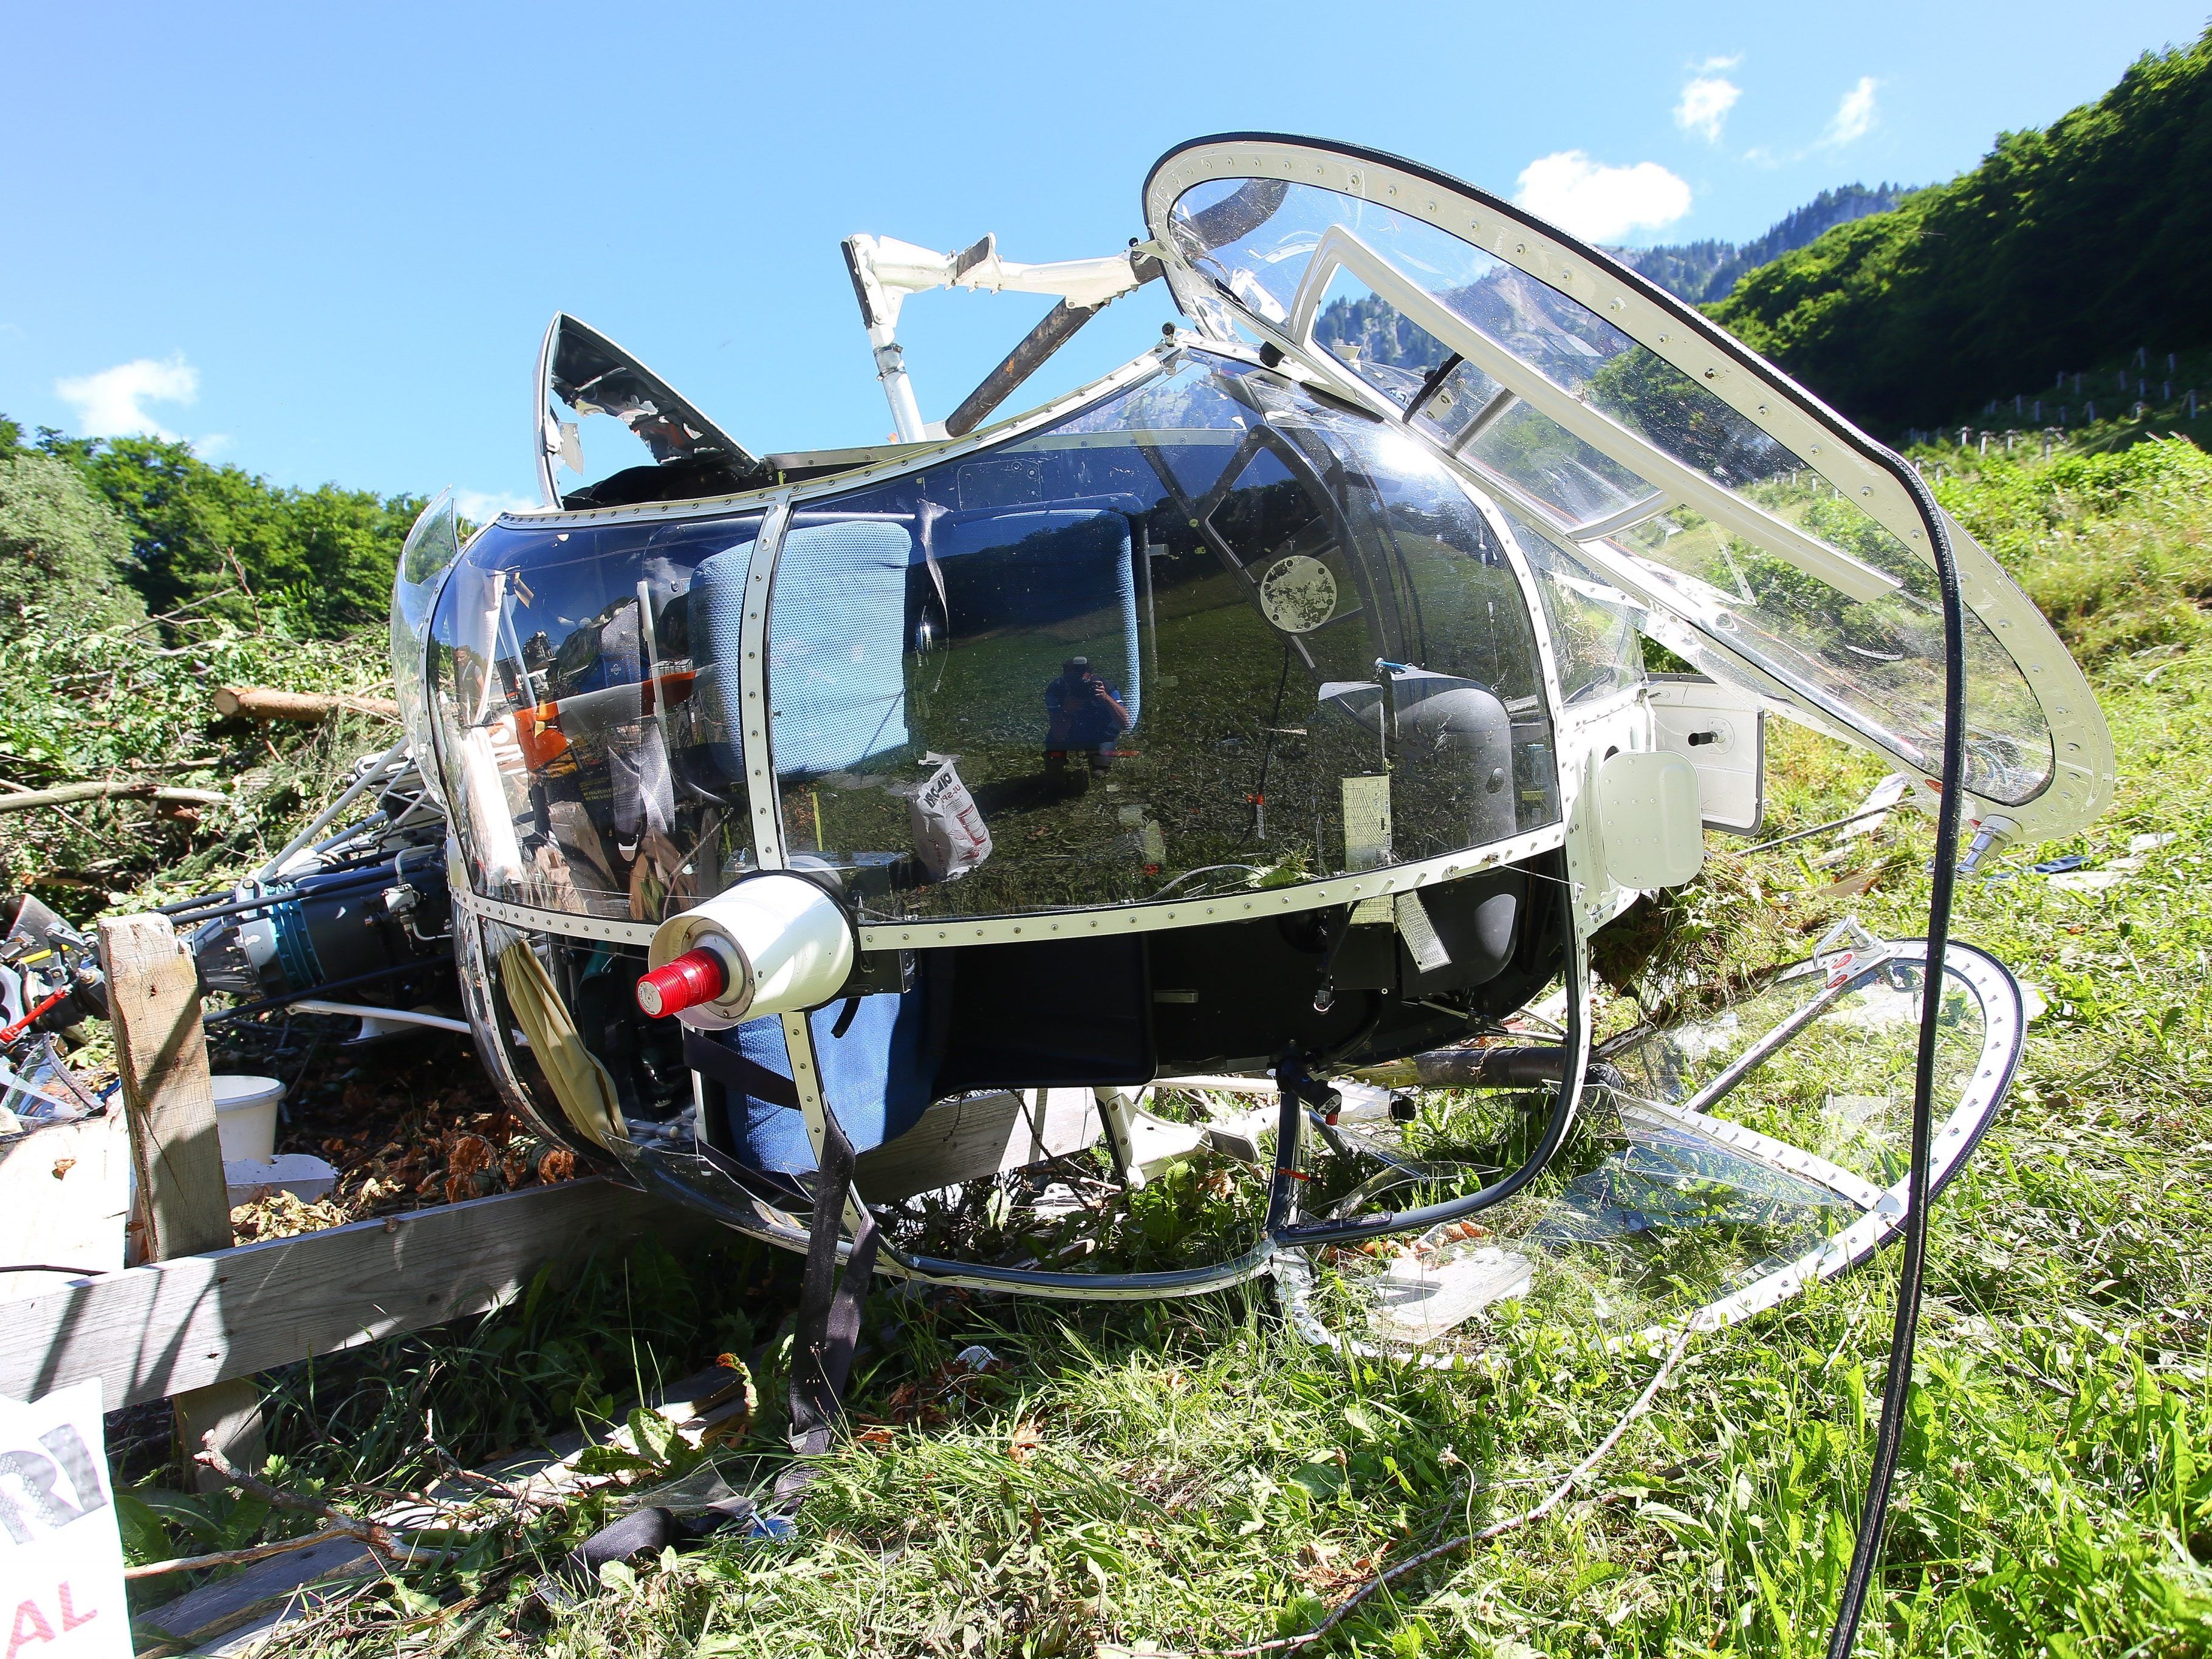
{"x":695,"y":977}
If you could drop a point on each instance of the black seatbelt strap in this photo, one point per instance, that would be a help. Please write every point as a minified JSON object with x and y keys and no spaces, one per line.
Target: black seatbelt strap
{"x":829,"y":1311}
{"x":733,"y":1070}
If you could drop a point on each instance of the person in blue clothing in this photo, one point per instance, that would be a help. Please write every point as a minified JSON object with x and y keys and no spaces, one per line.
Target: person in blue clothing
{"x":1084,"y":717}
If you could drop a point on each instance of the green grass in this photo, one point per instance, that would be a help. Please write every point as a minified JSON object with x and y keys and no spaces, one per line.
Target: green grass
{"x":1188,"y":1475}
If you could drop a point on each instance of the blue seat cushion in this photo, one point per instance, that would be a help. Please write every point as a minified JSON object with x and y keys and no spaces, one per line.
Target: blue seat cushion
{"x":877,"y":1078}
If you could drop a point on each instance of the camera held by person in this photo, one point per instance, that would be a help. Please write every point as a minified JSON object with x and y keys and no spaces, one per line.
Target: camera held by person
{"x":1083,"y":716}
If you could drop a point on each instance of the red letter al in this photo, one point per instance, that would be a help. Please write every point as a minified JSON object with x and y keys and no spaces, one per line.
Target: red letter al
{"x":30,"y":1626}
{"x":70,"y":1616}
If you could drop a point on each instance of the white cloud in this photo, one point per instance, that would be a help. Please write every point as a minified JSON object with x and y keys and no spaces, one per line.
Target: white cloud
{"x":1854,"y":117}
{"x":1707,"y":98}
{"x":111,"y":403}
{"x":1600,"y":204}
{"x":483,"y":506}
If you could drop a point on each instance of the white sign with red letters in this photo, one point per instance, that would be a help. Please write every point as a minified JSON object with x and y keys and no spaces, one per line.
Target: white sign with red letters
{"x":61,"y":1555}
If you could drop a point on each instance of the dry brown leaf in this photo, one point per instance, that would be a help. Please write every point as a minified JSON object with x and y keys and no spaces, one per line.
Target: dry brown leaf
{"x":470,"y":1154}
{"x":1025,"y":1443}
{"x":1851,"y":886}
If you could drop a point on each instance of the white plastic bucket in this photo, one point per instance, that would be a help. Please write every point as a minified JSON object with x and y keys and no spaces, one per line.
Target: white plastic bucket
{"x":246,"y":1116}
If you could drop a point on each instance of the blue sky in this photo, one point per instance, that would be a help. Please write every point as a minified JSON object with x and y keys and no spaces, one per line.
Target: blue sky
{"x":322,"y":242}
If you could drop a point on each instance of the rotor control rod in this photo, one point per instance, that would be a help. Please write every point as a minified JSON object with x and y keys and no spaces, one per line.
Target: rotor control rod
{"x":885,"y":270}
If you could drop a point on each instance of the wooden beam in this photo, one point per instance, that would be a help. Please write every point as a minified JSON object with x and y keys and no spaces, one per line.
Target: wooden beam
{"x":183,"y":1202}
{"x":161,"y":1049}
{"x":187,"y":1323}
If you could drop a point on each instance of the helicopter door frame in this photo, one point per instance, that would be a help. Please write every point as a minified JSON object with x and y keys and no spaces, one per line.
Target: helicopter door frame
{"x":1342,"y":249}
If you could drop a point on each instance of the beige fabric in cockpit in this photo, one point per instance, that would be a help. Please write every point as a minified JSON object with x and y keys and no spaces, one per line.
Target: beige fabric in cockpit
{"x":585,"y":1090}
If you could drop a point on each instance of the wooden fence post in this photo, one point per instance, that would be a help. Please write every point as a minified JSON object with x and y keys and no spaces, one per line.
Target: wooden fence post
{"x":184,"y":1203}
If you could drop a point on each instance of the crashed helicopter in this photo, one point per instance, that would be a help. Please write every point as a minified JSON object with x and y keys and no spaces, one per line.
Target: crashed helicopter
{"x":845,"y":844}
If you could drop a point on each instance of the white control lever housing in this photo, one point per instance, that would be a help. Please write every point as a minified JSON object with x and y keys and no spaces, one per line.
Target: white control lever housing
{"x":785,"y":946}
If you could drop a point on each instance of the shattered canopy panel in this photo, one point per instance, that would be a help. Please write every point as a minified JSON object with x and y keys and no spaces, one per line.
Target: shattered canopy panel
{"x":1208,"y":634}
{"x":1745,"y":554}
{"x":1733,"y":1160}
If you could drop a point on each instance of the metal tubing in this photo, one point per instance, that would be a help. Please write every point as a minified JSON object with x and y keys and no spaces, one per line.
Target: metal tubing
{"x":428,"y":965}
{"x":1104,"y":1287}
{"x":379,"y":771}
{"x":395,"y":1016}
{"x":1555,"y":1134}
{"x":1028,"y":356}
{"x":1755,"y":1056}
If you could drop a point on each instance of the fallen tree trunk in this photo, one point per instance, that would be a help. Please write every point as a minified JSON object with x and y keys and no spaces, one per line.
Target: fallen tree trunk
{"x":110,"y":789}
{"x":261,"y":702}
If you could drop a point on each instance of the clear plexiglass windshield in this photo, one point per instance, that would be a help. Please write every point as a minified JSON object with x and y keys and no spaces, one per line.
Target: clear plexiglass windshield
{"x":1605,"y":448}
{"x":588,"y":763}
{"x":1209,"y":633}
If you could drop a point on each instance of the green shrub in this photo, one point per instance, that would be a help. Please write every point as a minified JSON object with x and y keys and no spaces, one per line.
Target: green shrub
{"x":61,"y":545}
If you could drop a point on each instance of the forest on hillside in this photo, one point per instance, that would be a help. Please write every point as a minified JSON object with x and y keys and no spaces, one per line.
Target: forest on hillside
{"x":1704,"y":271}
{"x":112,"y":529}
{"x":2070,"y":247}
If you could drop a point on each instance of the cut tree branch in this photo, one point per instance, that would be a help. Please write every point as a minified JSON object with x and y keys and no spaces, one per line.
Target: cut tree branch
{"x":112,"y":789}
{"x":239,"y":1558}
{"x":261,"y":702}
{"x":376,"y":1538}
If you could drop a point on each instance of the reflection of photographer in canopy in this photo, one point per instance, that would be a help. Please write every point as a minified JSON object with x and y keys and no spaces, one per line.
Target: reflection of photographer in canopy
{"x":1083,"y":716}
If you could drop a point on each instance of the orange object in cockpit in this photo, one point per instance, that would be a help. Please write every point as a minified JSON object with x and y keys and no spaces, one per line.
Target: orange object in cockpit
{"x":543,"y":731}
{"x":537,"y":734}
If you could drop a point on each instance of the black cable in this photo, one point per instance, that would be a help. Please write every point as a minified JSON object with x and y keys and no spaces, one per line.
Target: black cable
{"x":1898,"y":1387}
{"x":1266,"y":752}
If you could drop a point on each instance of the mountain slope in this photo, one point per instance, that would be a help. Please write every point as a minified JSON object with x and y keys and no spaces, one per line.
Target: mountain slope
{"x":2068,"y":247}
{"x":1701,"y":272}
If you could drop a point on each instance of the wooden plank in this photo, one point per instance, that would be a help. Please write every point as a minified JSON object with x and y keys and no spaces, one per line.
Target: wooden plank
{"x":235,"y":1615}
{"x":958,"y":1140}
{"x":187,"y":1323}
{"x":183,"y":1202}
{"x":161,"y":1049}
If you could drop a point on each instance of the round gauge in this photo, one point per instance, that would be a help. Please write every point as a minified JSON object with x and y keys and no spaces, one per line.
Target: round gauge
{"x":1298,"y":594}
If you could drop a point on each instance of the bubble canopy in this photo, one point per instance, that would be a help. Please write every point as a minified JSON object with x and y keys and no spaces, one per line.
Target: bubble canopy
{"x":1204,"y":636}
{"x":1758,"y":533}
